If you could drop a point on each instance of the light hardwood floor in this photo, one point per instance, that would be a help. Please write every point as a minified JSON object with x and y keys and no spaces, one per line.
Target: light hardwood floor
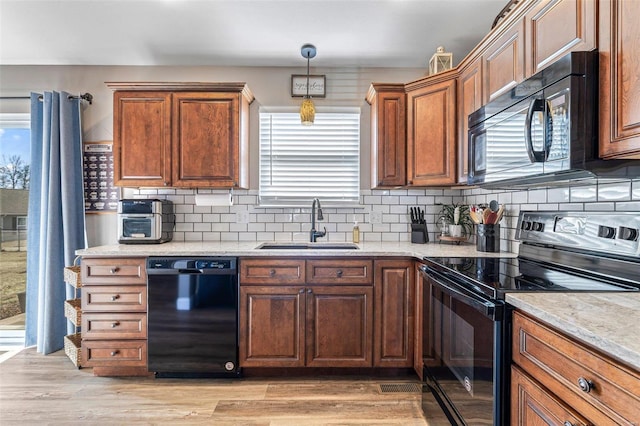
{"x":38,"y":389}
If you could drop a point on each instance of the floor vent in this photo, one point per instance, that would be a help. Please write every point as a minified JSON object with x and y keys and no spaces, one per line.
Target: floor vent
{"x":399,"y":388}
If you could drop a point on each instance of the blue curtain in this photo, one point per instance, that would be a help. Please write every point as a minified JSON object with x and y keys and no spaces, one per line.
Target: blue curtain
{"x":56,"y":216}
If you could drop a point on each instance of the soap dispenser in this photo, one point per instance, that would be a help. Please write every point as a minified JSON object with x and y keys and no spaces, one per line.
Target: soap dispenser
{"x":356,"y":232}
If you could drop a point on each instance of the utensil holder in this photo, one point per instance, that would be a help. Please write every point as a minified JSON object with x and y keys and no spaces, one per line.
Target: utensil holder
{"x":419,"y":234}
{"x":488,"y":238}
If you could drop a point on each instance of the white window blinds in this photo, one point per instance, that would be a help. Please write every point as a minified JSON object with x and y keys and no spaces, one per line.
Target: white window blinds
{"x":299,"y":163}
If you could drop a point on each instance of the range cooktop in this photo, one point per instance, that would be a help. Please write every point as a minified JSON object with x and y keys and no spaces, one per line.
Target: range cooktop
{"x":495,"y":276}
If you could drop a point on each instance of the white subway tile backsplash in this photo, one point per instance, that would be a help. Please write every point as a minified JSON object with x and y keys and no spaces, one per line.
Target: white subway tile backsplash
{"x":582,"y":194}
{"x":198,"y":223}
{"x":635,"y":190}
{"x":614,"y":192}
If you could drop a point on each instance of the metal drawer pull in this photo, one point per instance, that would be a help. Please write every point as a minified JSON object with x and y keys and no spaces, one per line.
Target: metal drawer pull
{"x":585,"y":385}
{"x":115,"y":324}
{"x":115,"y":297}
{"x":272,"y":273}
{"x":114,"y":353}
{"x":568,"y":423}
{"x":114,"y":270}
{"x":339,"y":273}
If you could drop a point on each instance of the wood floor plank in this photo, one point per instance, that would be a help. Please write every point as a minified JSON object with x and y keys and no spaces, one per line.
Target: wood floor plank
{"x":37,"y":389}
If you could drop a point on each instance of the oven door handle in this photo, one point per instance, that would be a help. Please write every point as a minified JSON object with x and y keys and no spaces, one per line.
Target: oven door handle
{"x":486,"y":307}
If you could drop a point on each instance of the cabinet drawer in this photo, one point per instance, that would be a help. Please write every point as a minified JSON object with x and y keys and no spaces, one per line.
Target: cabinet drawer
{"x":272,"y":271}
{"x":106,"y":271}
{"x":531,"y":404}
{"x":114,"y":353}
{"x":335,"y":271}
{"x":114,"y":299}
{"x":114,"y":326}
{"x":611,"y":391}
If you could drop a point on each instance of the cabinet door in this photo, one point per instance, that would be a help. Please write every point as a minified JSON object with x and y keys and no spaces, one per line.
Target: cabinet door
{"x":388,"y":135}
{"x":469,"y":100}
{"x":339,"y":326}
{"x":557,"y":27}
{"x":531,"y":404}
{"x":272,"y":326}
{"x":142,"y":138}
{"x":206,"y":139}
{"x":393,"y":322}
{"x":431,"y":134}
{"x":619,"y":47}
{"x":503,"y":62}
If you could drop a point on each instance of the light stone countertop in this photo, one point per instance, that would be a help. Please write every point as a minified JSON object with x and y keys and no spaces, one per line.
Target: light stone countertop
{"x":221,"y":248}
{"x":606,"y":321}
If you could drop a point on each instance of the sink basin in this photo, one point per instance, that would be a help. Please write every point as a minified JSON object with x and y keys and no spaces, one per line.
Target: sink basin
{"x":308,"y":246}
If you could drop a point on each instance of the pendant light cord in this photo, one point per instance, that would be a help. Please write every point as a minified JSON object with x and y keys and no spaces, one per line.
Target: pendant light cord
{"x":308,"y":54}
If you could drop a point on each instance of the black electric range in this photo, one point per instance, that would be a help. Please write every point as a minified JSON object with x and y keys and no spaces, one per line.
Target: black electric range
{"x":466,"y":321}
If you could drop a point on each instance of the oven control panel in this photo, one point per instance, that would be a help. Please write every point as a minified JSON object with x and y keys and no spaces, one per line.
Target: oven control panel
{"x":617,"y":233}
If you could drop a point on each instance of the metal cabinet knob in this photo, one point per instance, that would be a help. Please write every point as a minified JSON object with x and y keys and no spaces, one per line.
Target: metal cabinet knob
{"x":301,"y":291}
{"x":568,"y":423}
{"x":339,"y":273}
{"x":309,"y":291}
{"x":115,"y":324}
{"x":585,"y":385}
{"x":272,"y":273}
{"x":115,"y":297}
{"x":114,"y":353}
{"x":114,"y":270}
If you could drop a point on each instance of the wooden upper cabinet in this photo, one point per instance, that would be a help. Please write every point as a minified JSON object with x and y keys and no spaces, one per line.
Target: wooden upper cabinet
{"x":388,"y":135}
{"x":206,"y":148}
{"x":431,"y":131}
{"x":142,"y":138}
{"x":503,"y":62}
{"x":619,"y":47}
{"x":469,"y":100}
{"x":557,"y":27}
{"x":181,"y":134}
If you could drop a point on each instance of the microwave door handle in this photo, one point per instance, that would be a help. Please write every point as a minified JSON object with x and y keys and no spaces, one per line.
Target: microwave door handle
{"x":536,"y":105}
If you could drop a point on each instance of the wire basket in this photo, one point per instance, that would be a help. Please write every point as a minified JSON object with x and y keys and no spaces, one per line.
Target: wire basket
{"x":73,"y":311}
{"x":72,"y":348}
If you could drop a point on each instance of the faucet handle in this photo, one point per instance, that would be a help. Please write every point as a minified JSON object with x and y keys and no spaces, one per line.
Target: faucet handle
{"x":323,"y":233}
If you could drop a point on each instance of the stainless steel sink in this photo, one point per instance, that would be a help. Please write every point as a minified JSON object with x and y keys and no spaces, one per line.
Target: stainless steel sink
{"x":308,"y":246}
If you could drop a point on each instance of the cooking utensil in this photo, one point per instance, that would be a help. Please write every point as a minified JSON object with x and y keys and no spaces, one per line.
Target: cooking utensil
{"x":485,"y":215}
{"x":494,"y":205}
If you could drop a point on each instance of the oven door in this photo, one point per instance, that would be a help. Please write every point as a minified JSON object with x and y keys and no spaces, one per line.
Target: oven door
{"x":138,"y":227}
{"x":467,"y":375}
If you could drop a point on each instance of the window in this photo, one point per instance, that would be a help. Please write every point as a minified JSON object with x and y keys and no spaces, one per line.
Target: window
{"x":299,"y":163}
{"x":15,"y":157}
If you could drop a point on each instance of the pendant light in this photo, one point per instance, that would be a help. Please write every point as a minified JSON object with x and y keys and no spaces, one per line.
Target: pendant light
{"x":307,"y":109}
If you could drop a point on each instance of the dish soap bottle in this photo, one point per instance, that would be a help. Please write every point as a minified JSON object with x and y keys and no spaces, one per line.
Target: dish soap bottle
{"x":356,"y":232}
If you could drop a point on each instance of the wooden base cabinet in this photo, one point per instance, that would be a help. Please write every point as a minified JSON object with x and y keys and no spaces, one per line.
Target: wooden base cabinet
{"x":114,"y":316}
{"x":553,"y":372}
{"x":394,"y":315}
{"x":324,"y":321}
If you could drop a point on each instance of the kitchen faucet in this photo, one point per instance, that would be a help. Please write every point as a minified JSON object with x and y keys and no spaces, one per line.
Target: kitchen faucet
{"x":315,"y":234}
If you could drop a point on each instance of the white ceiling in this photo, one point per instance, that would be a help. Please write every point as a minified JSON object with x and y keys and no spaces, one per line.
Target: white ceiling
{"x":367,"y":33}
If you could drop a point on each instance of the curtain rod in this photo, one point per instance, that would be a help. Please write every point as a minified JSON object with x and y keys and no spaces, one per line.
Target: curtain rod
{"x":85,"y":97}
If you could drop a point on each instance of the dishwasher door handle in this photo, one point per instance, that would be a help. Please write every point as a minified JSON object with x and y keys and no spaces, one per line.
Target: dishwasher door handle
{"x":190,"y":271}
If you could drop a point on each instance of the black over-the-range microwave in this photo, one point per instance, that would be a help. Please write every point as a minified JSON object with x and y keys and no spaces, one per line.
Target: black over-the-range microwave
{"x":544,"y":131}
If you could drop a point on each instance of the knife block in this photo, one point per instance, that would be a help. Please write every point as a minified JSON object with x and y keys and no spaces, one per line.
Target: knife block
{"x":419,"y":234}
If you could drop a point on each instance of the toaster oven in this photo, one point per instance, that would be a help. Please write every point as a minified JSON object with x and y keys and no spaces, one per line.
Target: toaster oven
{"x":145,"y":221}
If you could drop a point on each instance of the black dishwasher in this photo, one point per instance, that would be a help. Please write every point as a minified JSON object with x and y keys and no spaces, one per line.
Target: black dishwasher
{"x":193,"y":316}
